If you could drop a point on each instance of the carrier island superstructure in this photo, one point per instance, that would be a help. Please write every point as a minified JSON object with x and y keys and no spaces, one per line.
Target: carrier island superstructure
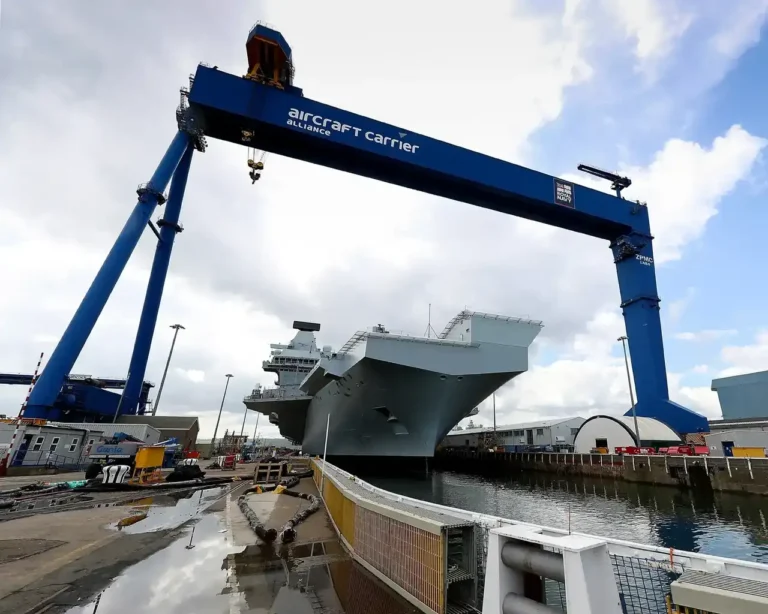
{"x":387,"y":394}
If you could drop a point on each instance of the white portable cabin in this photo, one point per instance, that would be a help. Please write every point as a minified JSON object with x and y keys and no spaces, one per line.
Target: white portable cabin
{"x":146,"y":433}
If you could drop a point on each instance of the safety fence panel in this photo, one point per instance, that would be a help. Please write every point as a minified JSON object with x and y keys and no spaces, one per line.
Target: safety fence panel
{"x":341,"y":509}
{"x":411,"y":557}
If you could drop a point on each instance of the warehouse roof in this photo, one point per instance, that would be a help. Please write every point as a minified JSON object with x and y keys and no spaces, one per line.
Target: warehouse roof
{"x":650,"y":428}
{"x":515,"y":427}
{"x":719,"y":425}
{"x":161,"y":422}
{"x":731,"y":432}
{"x":759,"y":377}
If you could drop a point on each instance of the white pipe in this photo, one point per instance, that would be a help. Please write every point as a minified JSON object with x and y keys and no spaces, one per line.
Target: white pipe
{"x":529,"y":559}
{"x":517,"y":604}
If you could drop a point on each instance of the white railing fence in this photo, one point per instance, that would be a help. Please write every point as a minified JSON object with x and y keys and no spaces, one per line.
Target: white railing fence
{"x":643,"y":573}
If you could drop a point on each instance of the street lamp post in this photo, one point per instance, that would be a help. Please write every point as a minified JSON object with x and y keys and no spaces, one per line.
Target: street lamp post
{"x":242,"y":428}
{"x":255,"y":433}
{"x":176,"y":328}
{"x":623,"y":340}
{"x":216,"y":430}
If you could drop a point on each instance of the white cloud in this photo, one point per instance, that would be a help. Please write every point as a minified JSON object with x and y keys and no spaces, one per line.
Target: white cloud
{"x":685,"y":182}
{"x":741,"y":25}
{"x":700,"y":398}
{"x":677,"y":308}
{"x":654,"y":25}
{"x":700,"y":369}
{"x":193,"y":375}
{"x":746,"y":358}
{"x":705,"y":335}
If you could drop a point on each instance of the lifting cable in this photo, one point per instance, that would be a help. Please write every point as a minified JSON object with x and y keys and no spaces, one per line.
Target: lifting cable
{"x":256,"y":159}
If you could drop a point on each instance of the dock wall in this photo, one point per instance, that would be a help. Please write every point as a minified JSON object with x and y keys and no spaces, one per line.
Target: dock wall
{"x":404,"y":551}
{"x":725,"y":474}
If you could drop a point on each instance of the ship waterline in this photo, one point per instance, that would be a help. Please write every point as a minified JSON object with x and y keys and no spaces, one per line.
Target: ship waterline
{"x":390,"y":395}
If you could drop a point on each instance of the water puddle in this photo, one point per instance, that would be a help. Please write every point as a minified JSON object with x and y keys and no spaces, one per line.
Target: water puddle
{"x":204,"y":571}
{"x":167,"y":511}
{"x":176,"y":579}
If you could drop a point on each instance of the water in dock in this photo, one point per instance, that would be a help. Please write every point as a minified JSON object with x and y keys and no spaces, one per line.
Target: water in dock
{"x":728,"y":525}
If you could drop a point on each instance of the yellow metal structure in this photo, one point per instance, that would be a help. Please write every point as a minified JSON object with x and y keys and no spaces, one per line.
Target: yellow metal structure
{"x":149,"y":461}
{"x":745,"y":452}
{"x":150,"y":457}
{"x":25,"y":421}
{"x":682,"y":609}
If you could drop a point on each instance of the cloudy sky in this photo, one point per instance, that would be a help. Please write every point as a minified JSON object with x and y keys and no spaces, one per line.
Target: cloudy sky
{"x":666,"y":91}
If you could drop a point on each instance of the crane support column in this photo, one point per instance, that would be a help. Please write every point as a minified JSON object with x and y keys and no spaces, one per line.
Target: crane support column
{"x":72,"y":341}
{"x":633,"y":255}
{"x":169,"y":226}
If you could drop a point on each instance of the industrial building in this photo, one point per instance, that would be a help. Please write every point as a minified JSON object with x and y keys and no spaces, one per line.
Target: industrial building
{"x":518,"y":437}
{"x":746,"y":424}
{"x":738,"y":442}
{"x":184,"y":428}
{"x":40,"y":445}
{"x":612,"y":432}
{"x":143,"y":432}
{"x":743,"y":396}
{"x":204,"y":445}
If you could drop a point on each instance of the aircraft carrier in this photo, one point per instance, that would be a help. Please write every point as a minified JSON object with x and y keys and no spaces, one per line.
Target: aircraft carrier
{"x":388,"y":394}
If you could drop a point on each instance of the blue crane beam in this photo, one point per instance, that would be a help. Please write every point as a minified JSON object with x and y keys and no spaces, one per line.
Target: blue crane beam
{"x":304,"y":129}
{"x":281,"y":120}
{"x":24,"y":379}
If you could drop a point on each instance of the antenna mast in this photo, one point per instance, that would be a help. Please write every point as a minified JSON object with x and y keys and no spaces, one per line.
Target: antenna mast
{"x":430,"y":330}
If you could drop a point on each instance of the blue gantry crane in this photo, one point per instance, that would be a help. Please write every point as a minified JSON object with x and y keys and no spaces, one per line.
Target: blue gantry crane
{"x":264,"y":111}
{"x":84,"y":398}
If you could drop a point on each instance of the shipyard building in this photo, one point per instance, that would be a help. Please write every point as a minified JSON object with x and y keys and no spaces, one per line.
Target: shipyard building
{"x":744,"y":403}
{"x":544,"y":435}
{"x":743,"y":396}
{"x":611,"y":432}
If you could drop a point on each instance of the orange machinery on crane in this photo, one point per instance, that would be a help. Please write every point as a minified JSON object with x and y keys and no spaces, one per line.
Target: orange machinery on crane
{"x":270,"y":63}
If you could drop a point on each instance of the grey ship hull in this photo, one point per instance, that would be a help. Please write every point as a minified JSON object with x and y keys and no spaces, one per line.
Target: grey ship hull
{"x":386,"y":409}
{"x":397,"y":396}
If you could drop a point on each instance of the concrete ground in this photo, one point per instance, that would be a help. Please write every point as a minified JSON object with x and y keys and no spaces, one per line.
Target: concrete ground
{"x":46,"y":559}
{"x":70,"y":536}
{"x":57,"y":561}
{"x":9,"y":483}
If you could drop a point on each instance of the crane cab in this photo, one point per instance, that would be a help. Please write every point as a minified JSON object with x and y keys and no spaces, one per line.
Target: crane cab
{"x":269,"y":58}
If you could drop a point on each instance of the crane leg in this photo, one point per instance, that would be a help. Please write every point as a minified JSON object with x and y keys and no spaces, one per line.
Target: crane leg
{"x":72,"y":341}
{"x":635,"y":266}
{"x":169,"y":227}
